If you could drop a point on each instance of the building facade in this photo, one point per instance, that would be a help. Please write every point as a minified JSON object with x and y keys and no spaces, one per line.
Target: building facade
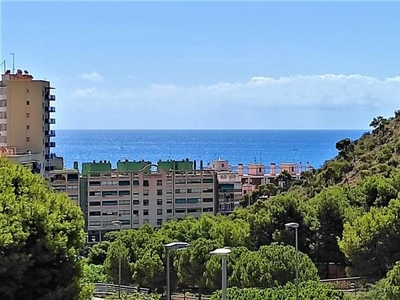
{"x":137,"y":193}
{"x":25,"y":121}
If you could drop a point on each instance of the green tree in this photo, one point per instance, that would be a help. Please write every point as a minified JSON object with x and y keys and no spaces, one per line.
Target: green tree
{"x":41,"y":235}
{"x":98,"y":252}
{"x":116,"y":251}
{"x":271,"y":266}
{"x":191,"y":263}
{"x":330,"y":207}
{"x":371,"y":241}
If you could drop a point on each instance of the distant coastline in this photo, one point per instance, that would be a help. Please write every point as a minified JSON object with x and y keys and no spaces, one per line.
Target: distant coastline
{"x":236,"y":146}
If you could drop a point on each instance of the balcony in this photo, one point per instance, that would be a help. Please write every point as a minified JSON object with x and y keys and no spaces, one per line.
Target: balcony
{"x":50,"y":156}
{"x":50,"y":133}
{"x":50,"y":109}
{"x":50,"y":144}
{"x":50,"y":97}
{"x":50,"y":121}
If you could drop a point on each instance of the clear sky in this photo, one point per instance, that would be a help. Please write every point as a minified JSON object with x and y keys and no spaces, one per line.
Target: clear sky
{"x":210,"y":65}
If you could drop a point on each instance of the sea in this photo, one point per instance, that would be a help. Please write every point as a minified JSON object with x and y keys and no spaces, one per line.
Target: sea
{"x":235,"y":146}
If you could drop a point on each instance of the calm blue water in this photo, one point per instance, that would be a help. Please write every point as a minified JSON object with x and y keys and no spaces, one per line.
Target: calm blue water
{"x":236,"y":146}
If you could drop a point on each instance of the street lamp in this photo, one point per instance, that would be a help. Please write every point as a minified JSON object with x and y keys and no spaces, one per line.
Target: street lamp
{"x":119,"y":223}
{"x":295,"y":226}
{"x":223,"y":252}
{"x":170,"y":247}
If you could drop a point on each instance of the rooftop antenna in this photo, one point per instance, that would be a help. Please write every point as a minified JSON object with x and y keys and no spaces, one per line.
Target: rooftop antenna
{"x":4,"y":65}
{"x":13,"y":55}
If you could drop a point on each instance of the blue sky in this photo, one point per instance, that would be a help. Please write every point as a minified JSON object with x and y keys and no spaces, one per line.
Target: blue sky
{"x":210,"y":65}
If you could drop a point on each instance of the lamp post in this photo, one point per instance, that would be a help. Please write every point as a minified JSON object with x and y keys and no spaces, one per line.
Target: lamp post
{"x":170,"y":247}
{"x":295,"y":226}
{"x":119,"y":223}
{"x":223,"y":252}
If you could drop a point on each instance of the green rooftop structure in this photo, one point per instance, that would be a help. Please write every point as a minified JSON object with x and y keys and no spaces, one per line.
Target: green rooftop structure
{"x":134,"y":166}
{"x":176,"y":165}
{"x":95,"y":168}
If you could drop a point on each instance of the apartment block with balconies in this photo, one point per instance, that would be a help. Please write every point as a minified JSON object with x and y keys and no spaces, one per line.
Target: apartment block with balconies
{"x":66,"y":181}
{"x":140,"y":192}
{"x":25,"y":121}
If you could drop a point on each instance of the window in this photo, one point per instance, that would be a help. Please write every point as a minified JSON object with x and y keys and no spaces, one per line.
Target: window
{"x":193,"y":210}
{"x":193,"y":181}
{"x":145,"y":192}
{"x":189,"y":191}
{"x":3,"y":139}
{"x":159,"y":212}
{"x":135,"y":212}
{"x":124,"y":182}
{"x":94,"y":183}
{"x":110,"y":203}
{"x":169,"y":211}
{"x":192,"y":200}
{"x":169,"y":192}
{"x":159,"y":201}
{"x":207,"y":209}
{"x":222,"y":165}
{"x":207,"y":190}
{"x":145,"y":221}
{"x":28,"y":139}
{"x":109,"y":213}
{"x":135,"y":182}
{"x":180,"y":181}
{"x":180,"y":201}
{"x":208,"y":180}
{"x":207,"y":200}
{"x":145,"y":183}
{"x":124,"y":202}
{"x":259,"y":170}
{"x":146,"y":202}
{"x":93,"y":193}
{"x":27,"y":90}
{"x":177,"y":191}
{"x":27,"y":102}
{"x":145,"y":212}
{"x":3,"y":127}
{"x":28,"y":115}
{"x":94,"y":203}
{"x":180,"y":210}
{"x":126,"y":222}
{"x":159,"y":182}
{"x":124,"y":212}
{"x":94,"y":213}
{"x":135,"y":202}
{"x":109,"y":193}
{"x":159,"y":222}
{"x":124,"y":193}
{"x":159,"y":192}
{"x":94,"y":223}
{"x":3,"y":115}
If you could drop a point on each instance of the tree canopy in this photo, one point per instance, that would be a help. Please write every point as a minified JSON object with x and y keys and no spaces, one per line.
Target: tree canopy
{"x":41,"y":236}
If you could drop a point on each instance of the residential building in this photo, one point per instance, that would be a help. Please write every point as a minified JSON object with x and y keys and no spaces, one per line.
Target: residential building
{"x":139,"y":192}
{"x":66,"y":181}
{"x":229,"y":186}
{"x":25,"y":121}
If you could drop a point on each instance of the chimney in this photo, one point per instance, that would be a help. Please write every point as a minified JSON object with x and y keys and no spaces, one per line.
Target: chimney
{"x":272,"y":169}
{"x":240,"y":169}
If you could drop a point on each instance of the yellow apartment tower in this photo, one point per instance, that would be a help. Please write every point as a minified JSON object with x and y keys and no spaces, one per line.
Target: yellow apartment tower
{"x":25,"y":121}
